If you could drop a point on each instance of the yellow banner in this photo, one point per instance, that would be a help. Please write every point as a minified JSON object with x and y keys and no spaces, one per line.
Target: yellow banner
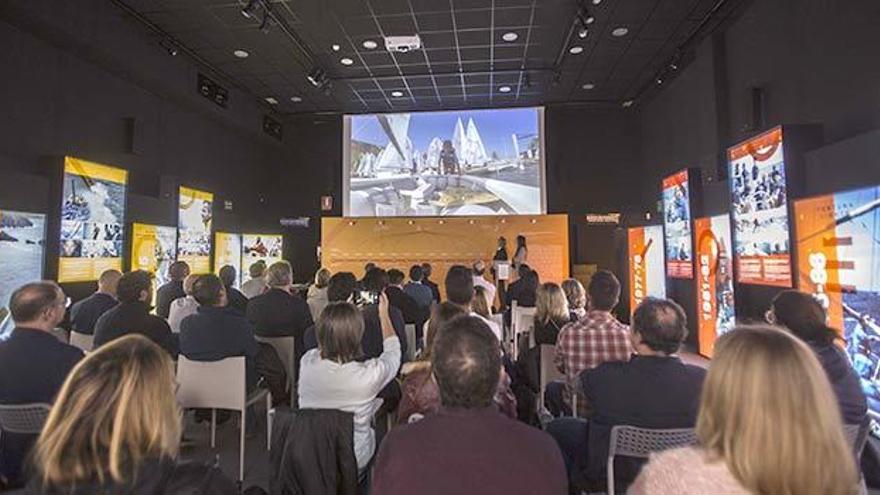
{"x":94,"y":170}
{"x":188,"y":195}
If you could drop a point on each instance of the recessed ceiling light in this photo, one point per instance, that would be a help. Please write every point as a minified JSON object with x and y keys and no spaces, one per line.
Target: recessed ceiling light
{"x":296,"y":99}
{"x":576,"y":49}
{"x":589,"y":19}
{"x":510,"y":36}
{"x":504,"y":89}
{"x":588,"y":86}
{"x":370,"y":44}
{"x":583,"y":32}
{"x":627,"y":104}
{"x":397,"y":94}
{"x":597,"y":2}
{"x":346,"y":61}
{"x":241,"y":53}
{"x":620,"y":31}
{"x":272,"y":101}
{"x":335,"y":47}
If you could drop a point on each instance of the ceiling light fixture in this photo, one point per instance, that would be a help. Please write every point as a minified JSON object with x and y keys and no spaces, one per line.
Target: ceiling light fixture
{"x":504,"y":89}
{"x":510,"y":36}
{"x":271,"y":100}
{"x":597,"y":2}
{"x":370,"y":44}
{"x":620,"y":31}
{"x":241,"y":53}
{"x":296,"y":99}
{"x":346,"y":61}
{"x":575,"y":50}
{"x":627,"y":104}
{"x":248,"y":10}
{"x":583,"y":32}
{"x":396,"y":93}
{"x":335,"y":47}
{"x":588,"y":86}
{"x":318,"y":77}
{"x":169,"y":47}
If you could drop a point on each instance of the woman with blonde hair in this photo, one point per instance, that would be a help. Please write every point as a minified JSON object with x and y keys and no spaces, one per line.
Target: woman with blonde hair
{"x":115,"y":428}
{"x":316,"y":297}
{"x":480,"y":304}
{"x":551,"y":313}
{"x":576,"y":296}
{"x":768,"y":425}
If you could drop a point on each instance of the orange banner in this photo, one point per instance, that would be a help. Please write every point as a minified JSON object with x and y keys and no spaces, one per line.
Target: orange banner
{"x":647,"y":277}
{"x":817,"y":255}
{"x":349,"y":243}
{"x":638,"y":279}
{"x":714,"y":282}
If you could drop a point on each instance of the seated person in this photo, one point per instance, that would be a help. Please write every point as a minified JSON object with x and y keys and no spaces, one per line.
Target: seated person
{"x":217,"y":331}
{"x":551,"y":313}
{"x":413,"y":313}
{"x":317,"y":294}
{"x":768,"y":423}
{"x":33,"y":364}
{"x":332,"y":378}
{"x":376,"y":281}
{"x":132,"y":314}
{"x":468,"y":446}
{"x":803,"y":316}
{"x":654,"y":389}
{"x":416,"y":289}
{"x":173,"y":290}
{"x":460,"y":291}
{"x":524,"y":289}
{"x":488,"y":287}
{"x":577,"y":298}
{"x":479,"y":304}
{"x":184,"y":306}
{"x":237,"y":300}
{"x":257,"y":283}
{"x":85,"y":313}
{"x":420,"y":395}
{"x":116,"y":428}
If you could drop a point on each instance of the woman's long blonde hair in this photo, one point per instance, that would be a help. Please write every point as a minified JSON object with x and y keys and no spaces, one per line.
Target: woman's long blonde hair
{"x":768,"y":411}
{"x":116,"y":408}
{"x":550,"y":304}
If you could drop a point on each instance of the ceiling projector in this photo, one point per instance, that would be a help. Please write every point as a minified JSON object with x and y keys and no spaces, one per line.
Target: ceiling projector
{"x":403,"y":44}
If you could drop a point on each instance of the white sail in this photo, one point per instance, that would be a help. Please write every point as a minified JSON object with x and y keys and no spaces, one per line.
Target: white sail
{"x":397,"y":155}
{"x":459,"y":140}
{"x":434,"y":153}
{"x":475,"y":153}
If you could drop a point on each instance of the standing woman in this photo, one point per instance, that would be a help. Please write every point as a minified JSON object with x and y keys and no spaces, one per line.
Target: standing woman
{"x":500,"y":256}
{"x":115,"y":428}
{"x":521,"y":255}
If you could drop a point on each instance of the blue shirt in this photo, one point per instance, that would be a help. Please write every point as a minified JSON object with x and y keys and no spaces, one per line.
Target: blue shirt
{"x":215,"y":333}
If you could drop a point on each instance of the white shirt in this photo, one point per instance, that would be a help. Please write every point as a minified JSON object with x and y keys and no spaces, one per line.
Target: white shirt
{"x":350,"y":387}
{"x":495,"y":327}
{"x":317,"y":301}
{"x":490,"y":289}
{"x":254,"y":287}
{"x":180,"y":309}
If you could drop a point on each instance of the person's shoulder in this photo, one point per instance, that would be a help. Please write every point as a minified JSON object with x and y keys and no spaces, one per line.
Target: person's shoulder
{"x":196,"y":478}
{"x":158,"y":322}
{"x":606,"y":371}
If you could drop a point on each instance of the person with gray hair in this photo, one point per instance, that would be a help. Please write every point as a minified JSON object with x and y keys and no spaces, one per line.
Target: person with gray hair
{"x":183,"y":306}
{"x":33,"y":363}
{"x":280,"y":312}
{"x":257,"y":283}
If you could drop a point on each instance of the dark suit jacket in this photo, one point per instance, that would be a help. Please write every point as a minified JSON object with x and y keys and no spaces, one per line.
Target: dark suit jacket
{"x":134,"y":317}
{"x":213,"y":334}
{"x":277,"y":313}
{"x":435,"y":289}
{"x":523,"y":295}
{"x":412,"y":311}
{"x":372,"y":340}
{"x":646,"y":391}
{"x":33,"y":366}
{"x":166,"y":295}
{"x":84,"y":314}
{"x":237,"y":300}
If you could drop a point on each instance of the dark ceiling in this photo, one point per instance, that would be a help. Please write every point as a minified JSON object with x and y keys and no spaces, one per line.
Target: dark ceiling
{"x":464,"y":60}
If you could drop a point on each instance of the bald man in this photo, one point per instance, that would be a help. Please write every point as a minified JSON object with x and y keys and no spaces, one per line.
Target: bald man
{"x":85,"y":313}
{"x":33,"y":363}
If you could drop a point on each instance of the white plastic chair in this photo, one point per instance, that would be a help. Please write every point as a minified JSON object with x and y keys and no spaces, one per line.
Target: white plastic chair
{"x":857,"y":436}
{"x":82,"y":341}
{"x":548,"y":372}
{"x":522,"y":320}
{"x":27,"y":419}
{"x":220,"y":385}
{"x":285,"y":347}
{"x":631,"y":441}
{"x":410,"y":331}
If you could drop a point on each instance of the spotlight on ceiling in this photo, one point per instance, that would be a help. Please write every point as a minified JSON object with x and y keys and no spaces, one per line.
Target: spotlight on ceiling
{"x":627,"y":104}
{"x":296,"y":99}
{"x":335,"y":47}
{"x":169,"y":47}
{"x":510,"y":36}
{"x":619,"y":31}
{"x":597,"y":2}
{"x":370,"y":44}
{"x":241,"y":53}
{"x":583,"y":32}
{"x":588,"y":86}
{"x":249,"y":9}
{"x":271,"y":100}
{"x":504,"y":89}
{"x":346,"y":61}
{"x":575,"y":50}
{"x":318,"y":77}
{"x":397,"y":94}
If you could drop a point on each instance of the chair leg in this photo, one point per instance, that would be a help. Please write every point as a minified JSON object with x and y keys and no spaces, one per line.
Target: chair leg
{"x":269,"y":414}
{"x":241,"y":447}
{"x":610,"y":476}
{"x":213,"y":428}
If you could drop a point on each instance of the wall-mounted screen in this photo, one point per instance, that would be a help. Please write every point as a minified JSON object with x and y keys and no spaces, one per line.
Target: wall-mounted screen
{"x":714,"y":282}
{"x":255,"y":247}
{"x":647,"y":277}
{"x":759,"y":206}
{"x":153,"y":249}
{"x":838,"y":252}
{"x":677,"y":225}
{"x":22,"y":240}
{"x":466,"y":162}
{"x":92,"y":220}
{"x":194,"y":219}
{"x":227,"y":251}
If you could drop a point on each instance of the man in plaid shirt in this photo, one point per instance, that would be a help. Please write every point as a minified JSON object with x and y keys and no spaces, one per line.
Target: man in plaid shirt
{"x":596,"y":338}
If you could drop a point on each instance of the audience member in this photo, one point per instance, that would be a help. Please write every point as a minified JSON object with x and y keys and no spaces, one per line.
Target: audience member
{"x":217,"y":331}
{"x":480,"y":281}
{"x":805,"y":318}
{"x":412,"y":312}
{"x":551,"y":313}
{"x":368,"y":266}
{"x":116,"y":428}
{"x":654,"y":389}
{"x":427,"y":270}
{"x":33,"y":364}
{"x":257,"y":284}
{"x":376,"y":282}
{"x":524,"y":289}
{"x":332,"y":378}
{"x":479,"y":304}
{"x":184,"y":306}
{"x":416,"y":289}
{"x":592,"y":340}
{"x":235,"y":298}
{"x":467,"y":446}
{"x":173,"y":290}
{"x":340,"y":288}
{"x":767,"y":424}
{"x":460,"y":291}
{"x":576,"y":296}
{"x":317,"y":294}
{"x":420,"y":395}
{"x":86,"y":312}
{"x":279,"y":312}
{"x":132,"y":314}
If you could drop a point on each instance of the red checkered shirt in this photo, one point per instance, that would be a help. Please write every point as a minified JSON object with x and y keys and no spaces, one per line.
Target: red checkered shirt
{"x":590,"y":341}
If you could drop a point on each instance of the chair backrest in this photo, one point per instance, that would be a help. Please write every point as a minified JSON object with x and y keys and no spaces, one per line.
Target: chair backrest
{"x":211,"y":384}
{"x":286,"y":350}
{"x":524,"y":319}
{"x":410,"y":331}
{"x":82,"y":341}
{"x":631,"y":441}
{"x":549,"y":371}
{"x":24,"y":418}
